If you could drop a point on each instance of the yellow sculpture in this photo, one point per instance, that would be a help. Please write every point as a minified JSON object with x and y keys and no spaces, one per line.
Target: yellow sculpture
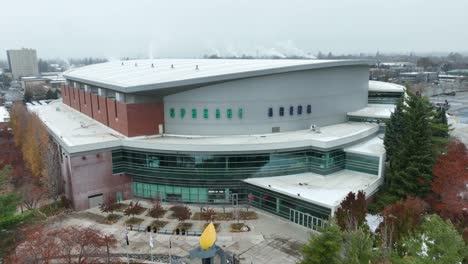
{"x":208,"y":237}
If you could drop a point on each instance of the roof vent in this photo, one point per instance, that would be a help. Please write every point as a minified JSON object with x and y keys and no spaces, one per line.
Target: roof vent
{"x":315,"y":128}
{"x":136,"y":64}
{"x":196,"y":67}
{"x":152,"y":65}
{"x":172,"y":66}
{"x":298,"y":194}
{"x":122,"y":64}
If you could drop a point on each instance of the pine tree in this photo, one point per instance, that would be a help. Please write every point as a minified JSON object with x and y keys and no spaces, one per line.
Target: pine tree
{"x":437,"y":242}
{"x":440,"y":130}
{"x":394,"y":130}
{"x":411,"y":165}
{"x":358,"y":247}
{"x":324,"y":248}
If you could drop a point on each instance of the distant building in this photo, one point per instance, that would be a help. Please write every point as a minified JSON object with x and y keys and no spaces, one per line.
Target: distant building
{"x":417,"y":77}
{"x":4,"y":118}
{"x":23,"y":62}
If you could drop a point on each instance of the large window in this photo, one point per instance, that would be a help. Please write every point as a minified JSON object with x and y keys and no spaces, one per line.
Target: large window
{"x":281,"y":111}
{"x":309,"y":109}
{"x":240,"y":113}
{"x":270,"y":112}
{"x":172,"y":112}
{"x":194,"y":113}
{"x":205,"y":113}
{"x":182,"y":113}
{"x":291,"y":110}
{"x":229,"y":113}
{"x":228,"y":167}
{"x":299,"y":109}
{"x":218,"y":114}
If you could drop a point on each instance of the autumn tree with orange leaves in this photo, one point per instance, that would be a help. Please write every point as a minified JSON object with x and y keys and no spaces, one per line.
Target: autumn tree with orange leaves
{"x":40,"y":153}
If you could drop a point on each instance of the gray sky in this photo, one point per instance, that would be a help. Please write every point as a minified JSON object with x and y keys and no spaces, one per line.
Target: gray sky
{"x":174,"y":28}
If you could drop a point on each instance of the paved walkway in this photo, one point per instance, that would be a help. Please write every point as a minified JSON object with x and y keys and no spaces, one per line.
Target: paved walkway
{"x":271,"y":239}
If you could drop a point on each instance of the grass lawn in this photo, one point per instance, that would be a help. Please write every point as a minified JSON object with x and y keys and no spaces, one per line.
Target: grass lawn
{"x":236,"y":227}
{"x":112,"y":218}
{"x":159,"y":224}
{"x":134,"y":221}
{"x":196,"y":216}
{"x":161,"y":214}
{"x":120,"y":207}
{"x":216,"y":225}
{"x":224,"y":216}
{"x":52,"y":209}
{"x":248,"y":215}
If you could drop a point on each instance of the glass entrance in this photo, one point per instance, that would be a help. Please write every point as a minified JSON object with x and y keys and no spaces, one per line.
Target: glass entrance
{"x":305,"y":219}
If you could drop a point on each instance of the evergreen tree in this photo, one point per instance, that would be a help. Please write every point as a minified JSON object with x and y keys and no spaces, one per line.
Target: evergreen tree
{"x":394,"y":130}
{"x":28,"y":96}
{"x":358,"y":247}
{"x":411,"y":165}
{"x":324,"y":248}
{"x":50,"y":94}
{"x":437,"y":242}
{"x":440,"y":130}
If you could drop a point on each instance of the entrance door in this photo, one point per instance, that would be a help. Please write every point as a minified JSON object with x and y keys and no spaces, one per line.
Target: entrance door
{"x":95,"y":200}
{"x":118,"y":197}
{"x":305,"y":219}
{"x":235,"y":199}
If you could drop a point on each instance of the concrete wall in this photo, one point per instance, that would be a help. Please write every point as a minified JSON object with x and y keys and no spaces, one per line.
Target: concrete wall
{"x":332,"y":92}
{"x":91,"y":174}
{"x":23,"y":62}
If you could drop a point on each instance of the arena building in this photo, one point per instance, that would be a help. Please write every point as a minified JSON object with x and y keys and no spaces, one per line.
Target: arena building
{"x":291,"y":137}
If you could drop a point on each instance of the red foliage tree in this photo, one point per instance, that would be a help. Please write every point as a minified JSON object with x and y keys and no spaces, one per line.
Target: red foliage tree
{"x":31,"y":195}
{"x":403,"y":217}
{"x":182,"y":213}
{"x":108,"y":206}
{"x":157,"y":210}
{"x":38,"y":247}
{"x":352,"y":211}
{"x":208,"y":214}
{"x":82,"y":245}
{"x":450,"y":184}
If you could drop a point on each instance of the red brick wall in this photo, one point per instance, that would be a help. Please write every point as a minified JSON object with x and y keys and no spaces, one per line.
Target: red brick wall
{"x":86,"y":103}
{"x":128,"y":119}
{"x":117,"y":113}
{"x":90,"y":175}
{"x":65,"y":95}
{"x":75,"y":98}
{"x":99,"y":114}
{"x":143,"y":119}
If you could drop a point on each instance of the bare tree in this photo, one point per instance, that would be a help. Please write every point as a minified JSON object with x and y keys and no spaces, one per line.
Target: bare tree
{"x":52,"y":174}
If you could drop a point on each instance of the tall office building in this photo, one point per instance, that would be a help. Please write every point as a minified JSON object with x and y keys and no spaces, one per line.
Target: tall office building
{"x":23,"y":62}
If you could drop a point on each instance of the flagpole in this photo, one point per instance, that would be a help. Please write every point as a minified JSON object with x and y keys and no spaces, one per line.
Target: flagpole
{"x":170,"y":251}
{"x":151,"y":244}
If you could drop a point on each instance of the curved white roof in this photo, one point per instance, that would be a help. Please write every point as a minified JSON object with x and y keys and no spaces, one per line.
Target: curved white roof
{"x":143,"y":75}
{"x":377,"y":86}
{"x":79,"y":133}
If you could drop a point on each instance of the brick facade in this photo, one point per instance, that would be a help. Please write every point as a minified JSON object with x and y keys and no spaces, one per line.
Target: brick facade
{"x":128,"y":119}
{"x":91,"y":174}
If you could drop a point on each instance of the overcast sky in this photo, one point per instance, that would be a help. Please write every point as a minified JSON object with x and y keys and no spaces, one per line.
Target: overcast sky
{"x":173,"y":28}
